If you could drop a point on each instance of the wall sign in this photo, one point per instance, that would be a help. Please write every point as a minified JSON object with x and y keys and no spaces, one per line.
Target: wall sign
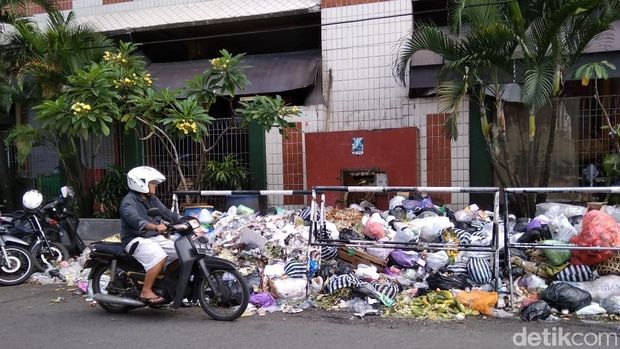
{"x":357,"y":146}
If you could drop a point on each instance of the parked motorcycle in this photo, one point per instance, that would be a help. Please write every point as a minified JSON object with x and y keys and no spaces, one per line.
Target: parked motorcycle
{"x":117,"y":278}
{"x":59,"y":217}
{"x":15,"y":261}
{"x":30,"y":225}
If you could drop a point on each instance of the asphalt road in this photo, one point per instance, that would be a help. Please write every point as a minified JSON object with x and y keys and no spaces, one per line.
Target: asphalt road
{"x":28,"y":319}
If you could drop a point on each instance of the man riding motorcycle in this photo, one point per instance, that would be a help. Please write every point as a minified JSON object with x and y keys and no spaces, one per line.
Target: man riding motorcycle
{"x":140,"y":234}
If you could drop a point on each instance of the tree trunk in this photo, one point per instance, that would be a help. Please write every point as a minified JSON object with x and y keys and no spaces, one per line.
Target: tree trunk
{"x":75,"y":173}
{"x":544,"y":177}
{"x":501,"y":160}
{"x":6,"y":194}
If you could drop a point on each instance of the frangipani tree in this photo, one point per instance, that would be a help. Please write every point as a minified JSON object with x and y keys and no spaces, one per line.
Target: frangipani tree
{"x":118,"y":90}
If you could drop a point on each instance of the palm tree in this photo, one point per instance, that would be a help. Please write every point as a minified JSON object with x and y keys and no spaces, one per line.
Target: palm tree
{"x":40,"y":62}
{"x":491,"y":45}
{"x":10,"y":10}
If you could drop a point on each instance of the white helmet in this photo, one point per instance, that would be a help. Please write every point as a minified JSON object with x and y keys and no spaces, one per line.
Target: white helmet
{"x":139,"y":177}
{"x":32,"y":199}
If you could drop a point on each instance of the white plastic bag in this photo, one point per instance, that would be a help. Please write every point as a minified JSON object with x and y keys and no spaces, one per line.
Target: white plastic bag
{"x":367,"y":272}
{"x":614,"y":212}
{"x":437,"y":260}
{"x":431,"y":227}
{"x":396,"y":201}
{"x":612,"y":305}
{"x":602,"y":288}
{"x":289,"y":289}
{"x":592,"y":309}
{"x":561,"y":229}
{"x":534,"y":282}
{"x":552,"y":209}
{"x":274,"y":270}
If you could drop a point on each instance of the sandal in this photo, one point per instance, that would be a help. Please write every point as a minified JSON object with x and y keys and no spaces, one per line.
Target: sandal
{"x":153,"y":300}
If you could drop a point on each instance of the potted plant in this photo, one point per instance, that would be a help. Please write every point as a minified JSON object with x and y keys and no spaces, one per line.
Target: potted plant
{"x":229,"y":174}
{"x":109,"y":192}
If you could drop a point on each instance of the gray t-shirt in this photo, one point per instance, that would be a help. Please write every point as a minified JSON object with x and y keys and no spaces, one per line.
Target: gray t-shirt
{"x":133,"y":211}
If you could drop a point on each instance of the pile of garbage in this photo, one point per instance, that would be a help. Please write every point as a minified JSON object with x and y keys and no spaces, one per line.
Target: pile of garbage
{"x":287,"y":275}
{"x":552,"y":283}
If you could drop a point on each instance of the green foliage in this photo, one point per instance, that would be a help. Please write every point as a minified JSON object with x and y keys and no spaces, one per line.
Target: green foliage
{"x":11,"y":10}
{"x":109,"y":192}
{"x":24,"y":137}
{"x":225,"y":174}
{"x":224,"y":77}
{"x":596,"y":70}
{"x":268,"y":112}
{"x":187,"y":117}
{"x":611,"y":166}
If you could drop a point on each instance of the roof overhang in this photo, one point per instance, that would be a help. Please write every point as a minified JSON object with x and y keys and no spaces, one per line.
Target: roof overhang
{"x":148,"y":15}
{"x":267,"y":73}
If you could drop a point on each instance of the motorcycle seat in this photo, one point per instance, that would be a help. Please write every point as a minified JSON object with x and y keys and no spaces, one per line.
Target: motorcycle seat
{"x":112,"y":248}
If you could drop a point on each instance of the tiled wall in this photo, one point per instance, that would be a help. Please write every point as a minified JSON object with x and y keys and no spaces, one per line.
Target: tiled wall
{"x":357,"y":64}
{"x":313,"y":118}
{"x":363,"y":94}
{"x":416,"y":112}
{"x":293,"y":163}
{"x":438,"y":155}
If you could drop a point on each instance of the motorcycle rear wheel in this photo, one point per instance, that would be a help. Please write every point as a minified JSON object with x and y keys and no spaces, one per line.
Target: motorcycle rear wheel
{"x":100,"y":281}
{"x":19,"y":269}
{"x":56,"y":254}
{"x":233,"y":299}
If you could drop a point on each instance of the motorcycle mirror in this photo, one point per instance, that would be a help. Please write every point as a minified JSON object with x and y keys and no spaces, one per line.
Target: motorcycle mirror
{"x":153,"y":212}
{"x":66,"y":192}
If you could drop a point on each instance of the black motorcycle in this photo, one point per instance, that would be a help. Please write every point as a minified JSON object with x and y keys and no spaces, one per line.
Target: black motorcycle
{"x":43,"y":240}
{"x":117,"y":278}
{"x":64,"y":222}
{"x":15,"y":261}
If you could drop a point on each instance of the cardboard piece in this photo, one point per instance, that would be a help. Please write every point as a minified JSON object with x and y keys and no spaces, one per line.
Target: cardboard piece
{"x":356,"y":256}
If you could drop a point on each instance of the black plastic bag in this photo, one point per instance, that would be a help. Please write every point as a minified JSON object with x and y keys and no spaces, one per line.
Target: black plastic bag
{"x":536,"y":234}
{"x":536,"y":311}
{"x":565,"y":296}
{"x":348,"y":234}
{"x":444,"y":282}
{"x":574,"y":220}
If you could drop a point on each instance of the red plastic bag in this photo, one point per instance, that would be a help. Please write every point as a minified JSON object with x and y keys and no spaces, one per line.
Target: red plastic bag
{"x":374,"y":230}
{"x":597,"y":229}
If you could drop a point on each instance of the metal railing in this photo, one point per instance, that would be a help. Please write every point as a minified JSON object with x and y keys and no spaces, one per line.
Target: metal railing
{"x":318,"y":224}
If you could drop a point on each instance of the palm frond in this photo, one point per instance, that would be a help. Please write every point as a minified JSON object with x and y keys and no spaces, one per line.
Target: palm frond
{"x":424,"y":37}
{"x":538,"y":84}
{"x":482,"y":13}
{"x":451,"y":95}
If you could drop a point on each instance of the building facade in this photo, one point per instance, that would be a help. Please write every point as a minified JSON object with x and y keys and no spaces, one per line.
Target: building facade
{"x":359,"y":125}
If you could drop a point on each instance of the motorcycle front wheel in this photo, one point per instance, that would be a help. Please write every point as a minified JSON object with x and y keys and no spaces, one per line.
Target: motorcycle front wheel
{"x":230,"y":299}
{"x":18,"y":268}
{"x":42,"y":256}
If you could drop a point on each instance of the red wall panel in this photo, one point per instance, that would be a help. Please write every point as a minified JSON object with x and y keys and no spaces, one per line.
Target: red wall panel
{"x":394,"y":151}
